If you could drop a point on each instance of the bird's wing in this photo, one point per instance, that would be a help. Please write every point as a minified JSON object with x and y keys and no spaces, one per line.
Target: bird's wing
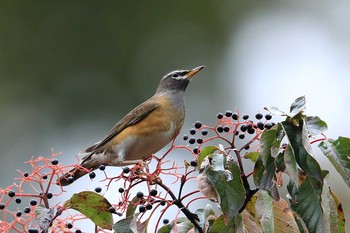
{"x":133,"y":117}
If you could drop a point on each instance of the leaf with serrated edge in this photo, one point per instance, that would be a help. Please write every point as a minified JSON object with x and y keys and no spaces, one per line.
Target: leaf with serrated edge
{"x":93,"y":206}
{"x":338,"y":152}
{"x":315,"y":125}
{"x":297,"y":106}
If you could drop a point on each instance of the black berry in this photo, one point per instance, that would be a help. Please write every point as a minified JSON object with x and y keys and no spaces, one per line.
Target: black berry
{"x":111,"y":209}
{"x":33,"y":230}
{"x":235,"y":116}
{"x":149,"y":206}
{"x":237,"y":132}
{"x":243,"y":128}
{"x":228,"y":113}
{"x":241,"y":136}
{"x":219,"y":115}
{"x":199,"y":141}
{"x":245,"y":117}
{"x":44,"y":177}
{"x":153,"y":192}
{"x":26,"y":174}
{"x":260,"y":125}
{"x":192,"y":141}
{"x":142,"y":209}
{"x":247,"y":147}
{"x":49,"y":195}
{"x":126,"y":170}
{"x":162,"y":203}
{"x":259,"y":116}
{"x":195,"y":150}
{"x":18,"y":200}
{"x":268,"y":125}
{"x":185,"y":137}
{"x":69,"y":225}
{"x":220,"y":129}
{"x":33,"y":202}
{"x":19,"y":213}
{"x":268,"y":117}
{"x":98,"y":189}
{"x":121,"y":190}
{"x":77,"y":231}
{"x":204,"y":132}
{"x":193,"y":163}
{"x":165,"y":221}
{"x":70,"y":179}
{"x":54,"y":162}
{"x":92,"y":175}
{"x":251,"y":130}
{"x":197,"y":124}
{"x":139,"y":195}
{"x":226,"y":129}
{"x":192,"y":131}
{"x":11,"y":193}
{"x":2,"y":206}
{"x":102,"y":167}
{"x":26,"y":210}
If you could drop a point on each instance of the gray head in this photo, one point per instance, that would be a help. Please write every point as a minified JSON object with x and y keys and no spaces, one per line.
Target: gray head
{"x":177,"y":80}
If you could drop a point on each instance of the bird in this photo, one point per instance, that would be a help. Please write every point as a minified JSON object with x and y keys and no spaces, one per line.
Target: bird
{"x":142,"y":132}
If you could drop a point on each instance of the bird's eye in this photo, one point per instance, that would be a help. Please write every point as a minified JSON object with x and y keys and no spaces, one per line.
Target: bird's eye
{"x":175,"y":75}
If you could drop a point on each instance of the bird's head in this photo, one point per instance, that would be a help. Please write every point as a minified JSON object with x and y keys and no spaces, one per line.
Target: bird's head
{"x":177,"y":80}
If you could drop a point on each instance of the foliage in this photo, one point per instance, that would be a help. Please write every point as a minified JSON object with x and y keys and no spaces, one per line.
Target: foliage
{"x":219,"y":157}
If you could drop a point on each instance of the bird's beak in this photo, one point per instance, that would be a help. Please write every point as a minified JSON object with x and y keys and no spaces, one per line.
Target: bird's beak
{"x":194,"y":71}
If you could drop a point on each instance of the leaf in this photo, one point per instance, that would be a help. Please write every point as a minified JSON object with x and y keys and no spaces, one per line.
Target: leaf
{"x":252,"y":156}
{"x":250,"y":224}
{"x":182,"y":225}
{"x":298,"y":139}
{"x":234,"y":225}
{"x":283,"y":218}
{"x":306,"y":202}
{"x":275,"y":111}
{"x":232,"y":192}
{"x":339,"y":222}
{"x":291,"y":164}
{"x":93,"y":206}
{"x":338,"y":152}
{"x":264,"y":211}
{"x":205,"y":215}
{"x":297,"y":106}
{"x":205,"y":152}
{"x":132,"y":208}
{"x":315,"y":125}
{"x":123,"y":226}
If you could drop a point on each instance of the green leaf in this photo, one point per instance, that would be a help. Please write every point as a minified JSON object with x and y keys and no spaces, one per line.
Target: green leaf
{"x":298,"y":139}
{"x":252,"y":156}
{"x":338,"y":152}
{"x":205,"y":215}
{"x":307,"y":203}
{"x":182,"y":225}
{"x":93,"y":206}
{"x":234,"y":225}
{"x":315,"y":125}
{"x":291,"y":164}
{"x":297,"y":106}
{"x":230,"y":190}
{"x":123,"y":226}
{"x":132,"y":208}
{"x":264,"y":211}
{"x":205,"y":152}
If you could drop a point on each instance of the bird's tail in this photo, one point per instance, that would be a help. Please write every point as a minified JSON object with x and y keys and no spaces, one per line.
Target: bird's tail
{"x":71,"y":176}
